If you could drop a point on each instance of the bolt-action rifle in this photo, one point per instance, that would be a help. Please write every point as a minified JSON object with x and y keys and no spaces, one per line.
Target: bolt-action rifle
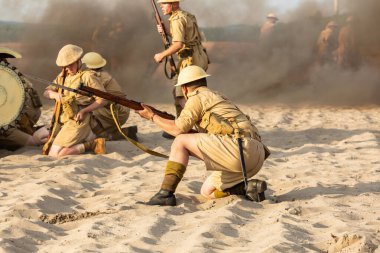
{"x":165,"y":39}
{"x":88,"y":91}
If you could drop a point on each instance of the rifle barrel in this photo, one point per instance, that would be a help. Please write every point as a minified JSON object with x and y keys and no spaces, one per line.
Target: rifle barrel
{"x":89,"y":92}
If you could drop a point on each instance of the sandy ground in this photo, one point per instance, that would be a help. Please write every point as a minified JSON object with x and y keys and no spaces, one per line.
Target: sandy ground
{"x":324,"y":193}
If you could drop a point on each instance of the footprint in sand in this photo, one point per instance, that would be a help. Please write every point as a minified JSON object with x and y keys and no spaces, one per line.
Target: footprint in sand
{"x":349,"y":243}
{"x":44,"y":158}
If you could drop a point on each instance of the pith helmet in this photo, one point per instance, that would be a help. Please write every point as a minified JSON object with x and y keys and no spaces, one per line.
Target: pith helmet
{"x":94,"y":60}
{"x":332,"y":24}
{"x":8,"y":53}
{"x":272,"y":15}
{"x":168,"y":1}
{"x":68,"y":55}
{"x":190,"y":74}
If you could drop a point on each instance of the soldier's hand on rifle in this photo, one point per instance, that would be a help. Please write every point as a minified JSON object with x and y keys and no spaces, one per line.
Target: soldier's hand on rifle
{"x":158,"y":57}
{"x":50,"y":94}
{"x":146,"y":113}
{"x":80,"y":115}
{"x":160,"y":29}
{"x":58,"y":97}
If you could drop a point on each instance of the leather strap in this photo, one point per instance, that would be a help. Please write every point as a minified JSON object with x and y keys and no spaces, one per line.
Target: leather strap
{"x":137,"y":144}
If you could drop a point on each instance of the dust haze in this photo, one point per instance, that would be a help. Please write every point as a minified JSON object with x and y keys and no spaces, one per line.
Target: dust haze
{"x":247,"y":72}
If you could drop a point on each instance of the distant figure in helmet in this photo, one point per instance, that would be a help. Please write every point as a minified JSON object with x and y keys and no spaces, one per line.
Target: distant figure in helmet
{"x":219,"y":123}
{"x":73,"y":133}
{"x":186,"y":43}
{"x":268,"y":29}
{"x":348,"y":49}
{"x":23,"y":131}
{"x":327,"y":43}
{"x":106,"y":125}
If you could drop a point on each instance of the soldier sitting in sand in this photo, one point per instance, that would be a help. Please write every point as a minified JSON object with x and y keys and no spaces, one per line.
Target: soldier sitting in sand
{"x":72,"y":131}
{"x":20,"y":107}
{"x":105,"y":123}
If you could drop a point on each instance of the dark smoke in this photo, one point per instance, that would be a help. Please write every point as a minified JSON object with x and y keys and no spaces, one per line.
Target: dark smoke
{"x":123,"y":33}
{"x":284,"y":71}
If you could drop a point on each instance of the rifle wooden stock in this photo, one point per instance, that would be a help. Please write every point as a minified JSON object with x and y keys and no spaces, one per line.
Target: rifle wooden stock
{"x":122,"y":101}
{"x":54,"y":119}
{"x":165,"y":39}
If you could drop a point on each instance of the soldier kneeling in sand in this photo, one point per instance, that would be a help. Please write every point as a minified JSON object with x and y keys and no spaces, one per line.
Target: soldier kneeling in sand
{"x":20,"y":107}
{"x":222,"y":127}
{"x":72,"y":131}
{"x":106,"y":127}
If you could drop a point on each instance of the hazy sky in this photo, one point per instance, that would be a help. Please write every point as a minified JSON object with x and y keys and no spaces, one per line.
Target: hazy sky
{"x":17,"y":10}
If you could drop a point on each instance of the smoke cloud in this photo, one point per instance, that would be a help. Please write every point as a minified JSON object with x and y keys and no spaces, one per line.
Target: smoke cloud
{"x":283,"y":72}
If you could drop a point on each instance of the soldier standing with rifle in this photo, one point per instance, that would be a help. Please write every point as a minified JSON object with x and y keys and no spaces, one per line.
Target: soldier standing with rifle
{"x":186,"y":43}
{"x":71,"y":132}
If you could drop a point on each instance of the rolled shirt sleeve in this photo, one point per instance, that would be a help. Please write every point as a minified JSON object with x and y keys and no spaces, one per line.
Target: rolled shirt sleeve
{"x":190,"y":115}
{"x":178,"y":29}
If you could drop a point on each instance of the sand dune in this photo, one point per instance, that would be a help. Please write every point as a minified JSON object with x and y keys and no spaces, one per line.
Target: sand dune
{"x":324,"y":193}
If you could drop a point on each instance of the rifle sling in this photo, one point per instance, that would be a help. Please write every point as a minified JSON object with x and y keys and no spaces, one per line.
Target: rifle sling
{"x":137,"y":144}
{"x":56,"y":115}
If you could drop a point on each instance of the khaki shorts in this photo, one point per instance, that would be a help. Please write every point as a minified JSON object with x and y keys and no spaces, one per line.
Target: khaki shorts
{"x":72,"y":132}
{"x":221,"y":155}
{"x":104,"y":116}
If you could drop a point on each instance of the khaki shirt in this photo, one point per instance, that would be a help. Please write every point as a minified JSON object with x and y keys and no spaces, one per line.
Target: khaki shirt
{"x":327,"y":43}
{"x":110,"y":84}
{"x":87,"y":77}
{"x":347,"y":40}
{"x":104,"y":115}
{"x":202,"y":100}
{"x":184,"y":28}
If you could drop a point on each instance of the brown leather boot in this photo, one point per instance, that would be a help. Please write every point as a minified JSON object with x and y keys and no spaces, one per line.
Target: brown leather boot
{"x":162,"y":198}
{"x":254,"y":192}
{"x":98,"y":146}
{"x":165,"y":196}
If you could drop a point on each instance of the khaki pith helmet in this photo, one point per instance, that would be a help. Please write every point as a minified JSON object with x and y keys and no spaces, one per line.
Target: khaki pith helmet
{"x":190,"y":74}
{"x":272,"y":15}
{"x":168,"y":1}
{"x":8,"y":53}
{"x":68,"y":55}
{"x":94,"y":60}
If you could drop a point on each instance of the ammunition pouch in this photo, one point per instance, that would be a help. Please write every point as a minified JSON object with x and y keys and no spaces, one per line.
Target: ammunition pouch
{"x":185,"y":52}
{"x":215,"y":124}
{"x":70,"y":107}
